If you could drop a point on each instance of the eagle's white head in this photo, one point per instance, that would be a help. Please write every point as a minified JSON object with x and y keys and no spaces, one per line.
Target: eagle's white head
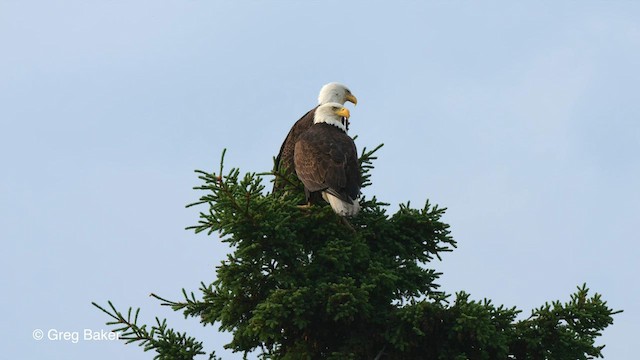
{"x":336,"y":93}
{"x":332,"y":113}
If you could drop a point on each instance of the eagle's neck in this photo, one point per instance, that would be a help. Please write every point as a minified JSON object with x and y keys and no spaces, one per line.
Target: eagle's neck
{"x":340,"y":123}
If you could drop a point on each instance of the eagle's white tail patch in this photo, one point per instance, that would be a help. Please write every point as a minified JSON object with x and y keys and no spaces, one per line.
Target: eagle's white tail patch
{"x":340,"y":207}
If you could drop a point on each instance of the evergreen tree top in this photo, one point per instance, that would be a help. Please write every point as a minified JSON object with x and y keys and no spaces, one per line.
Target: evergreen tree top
{"x":305,"y":283}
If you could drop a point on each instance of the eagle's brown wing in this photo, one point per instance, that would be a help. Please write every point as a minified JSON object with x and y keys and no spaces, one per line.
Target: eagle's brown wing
{"x":284,"y":160}
{"x":326,"y":160}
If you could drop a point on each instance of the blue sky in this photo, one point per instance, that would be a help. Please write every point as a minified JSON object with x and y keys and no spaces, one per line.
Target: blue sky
{"x":522,"y":119}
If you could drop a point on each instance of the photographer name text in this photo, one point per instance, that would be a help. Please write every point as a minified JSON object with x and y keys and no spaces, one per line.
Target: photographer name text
{"x":75,"y":336}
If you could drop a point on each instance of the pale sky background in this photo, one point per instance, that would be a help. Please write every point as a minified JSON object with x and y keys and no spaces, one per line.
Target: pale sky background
{"x":522,"y":119}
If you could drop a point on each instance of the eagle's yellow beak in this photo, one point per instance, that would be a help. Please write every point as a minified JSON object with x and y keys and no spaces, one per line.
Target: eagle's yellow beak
{"x":352,"y":99}
{"x":343,"y":112}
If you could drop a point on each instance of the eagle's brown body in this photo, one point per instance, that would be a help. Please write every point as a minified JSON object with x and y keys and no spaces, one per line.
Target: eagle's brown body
{"x":326,"y":160}
{"x":284,"y":160}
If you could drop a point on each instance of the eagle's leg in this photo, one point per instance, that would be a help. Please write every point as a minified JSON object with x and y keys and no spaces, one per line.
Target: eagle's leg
{"x":307,"y":196}
{"x":347,"y":223}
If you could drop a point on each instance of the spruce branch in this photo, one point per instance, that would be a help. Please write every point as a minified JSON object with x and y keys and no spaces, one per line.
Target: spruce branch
{"x":167,"y":343}
{"x":365,"y":162}
{"x":284,"y":181}
{"x":191,"y":307}
{"x":565,"y":331}
{"x":226,"y":194}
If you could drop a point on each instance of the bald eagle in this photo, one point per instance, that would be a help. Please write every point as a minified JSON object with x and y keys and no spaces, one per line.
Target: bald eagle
{"x":326,"y":160}
{"x":330,"y":93}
